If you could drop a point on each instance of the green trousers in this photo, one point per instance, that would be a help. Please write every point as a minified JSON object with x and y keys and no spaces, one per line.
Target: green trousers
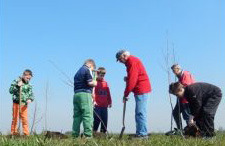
{"x":83,"y":112}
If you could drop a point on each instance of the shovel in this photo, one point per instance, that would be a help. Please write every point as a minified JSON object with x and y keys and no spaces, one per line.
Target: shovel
{"x":123,"y":128}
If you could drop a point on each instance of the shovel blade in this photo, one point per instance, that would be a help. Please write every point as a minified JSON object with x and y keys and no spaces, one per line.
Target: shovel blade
{"x":121,"y":133}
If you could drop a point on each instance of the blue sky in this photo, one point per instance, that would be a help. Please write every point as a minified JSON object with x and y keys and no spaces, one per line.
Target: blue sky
{"x":70,"y":31}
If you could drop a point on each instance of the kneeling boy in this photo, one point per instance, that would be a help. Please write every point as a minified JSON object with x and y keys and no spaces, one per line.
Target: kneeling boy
{"x":203,"y":100}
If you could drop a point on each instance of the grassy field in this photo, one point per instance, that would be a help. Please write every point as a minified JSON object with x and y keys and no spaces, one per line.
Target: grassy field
{"x":154,"y":140}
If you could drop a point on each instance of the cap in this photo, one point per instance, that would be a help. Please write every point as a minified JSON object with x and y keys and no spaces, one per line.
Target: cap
{"x":119,"y":53}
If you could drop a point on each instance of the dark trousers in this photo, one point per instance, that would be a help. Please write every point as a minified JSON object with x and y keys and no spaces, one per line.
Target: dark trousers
{"x":100,"y":116}
{"x":205,"y":119}
{"x":184,"y":109}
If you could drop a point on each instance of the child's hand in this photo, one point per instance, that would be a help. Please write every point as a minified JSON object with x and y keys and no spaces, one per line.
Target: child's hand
{"x":29,"y":101}
{"x":110,"y":106}
{"x":95,"y":104}
{"x":20,"y":83}
{"x":95,"y":83}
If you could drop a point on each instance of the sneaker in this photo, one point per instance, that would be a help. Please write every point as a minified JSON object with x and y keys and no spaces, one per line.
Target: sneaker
{"x":88,"y":137}
{"x":170,"y":133}
{"x":141,"y":137}
{"x":210,"y":138}
{"x":174,"y":132}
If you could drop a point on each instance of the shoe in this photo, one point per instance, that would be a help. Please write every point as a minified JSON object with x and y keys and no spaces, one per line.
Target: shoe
{"x":174,"y":132}
{"x":86,"y":137}
{"x":141,"y":137}
{"x":208,"y":137}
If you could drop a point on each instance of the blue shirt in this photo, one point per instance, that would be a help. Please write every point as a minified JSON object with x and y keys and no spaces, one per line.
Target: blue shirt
{"x":81,"y":79}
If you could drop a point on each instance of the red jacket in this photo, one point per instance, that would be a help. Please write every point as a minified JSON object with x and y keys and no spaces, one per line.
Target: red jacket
{"x":186,"y":79}
{"x":102,"y":96}
{"x":137,"y":78}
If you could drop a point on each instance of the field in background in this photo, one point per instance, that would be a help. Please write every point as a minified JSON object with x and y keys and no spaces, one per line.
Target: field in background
{"x":154,"y":140}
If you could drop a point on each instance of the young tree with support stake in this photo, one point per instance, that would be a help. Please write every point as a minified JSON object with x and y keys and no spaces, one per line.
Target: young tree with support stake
{"x":170,"y":58}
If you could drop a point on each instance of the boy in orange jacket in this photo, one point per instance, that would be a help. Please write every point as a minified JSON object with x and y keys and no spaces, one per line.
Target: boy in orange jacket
{"x":102,"y":100}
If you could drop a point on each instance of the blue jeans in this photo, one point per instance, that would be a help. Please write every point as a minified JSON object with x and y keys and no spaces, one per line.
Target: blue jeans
{"x":100,"y":116}
{"x":184,"y":109}
{"x":141,"y":114}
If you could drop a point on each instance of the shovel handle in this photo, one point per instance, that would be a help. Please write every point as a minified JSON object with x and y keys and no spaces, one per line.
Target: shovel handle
{"x":123,"y":128}
{"x":124,"y":111}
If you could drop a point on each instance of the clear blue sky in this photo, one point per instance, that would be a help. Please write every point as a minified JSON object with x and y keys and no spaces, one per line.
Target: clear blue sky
{"x":70,"y":31}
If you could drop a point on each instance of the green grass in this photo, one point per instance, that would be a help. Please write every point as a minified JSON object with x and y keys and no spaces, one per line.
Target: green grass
{"x":154,"y":140}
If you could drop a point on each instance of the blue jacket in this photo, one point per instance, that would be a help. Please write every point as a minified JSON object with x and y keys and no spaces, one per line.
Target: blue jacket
{"x":81,"y":79}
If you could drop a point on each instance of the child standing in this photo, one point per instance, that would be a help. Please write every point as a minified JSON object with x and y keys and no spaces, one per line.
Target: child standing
{"x":102,"y":100}
{"x":22,"y":95}
{"x":84,"y":81}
